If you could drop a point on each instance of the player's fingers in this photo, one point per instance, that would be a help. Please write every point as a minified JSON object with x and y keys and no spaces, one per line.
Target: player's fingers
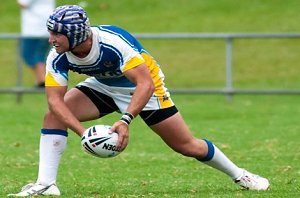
{"x":124,"y":143}
{"x":120,"y":141}
{"x":112,"y":129}
{"x":123,"y":137}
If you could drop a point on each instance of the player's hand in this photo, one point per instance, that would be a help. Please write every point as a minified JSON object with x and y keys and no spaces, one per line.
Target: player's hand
{"x":123,"y":132}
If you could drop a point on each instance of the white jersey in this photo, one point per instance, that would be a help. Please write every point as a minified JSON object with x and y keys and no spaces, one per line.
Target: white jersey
{"x":113,"y":52}
{"x":34,"y":16}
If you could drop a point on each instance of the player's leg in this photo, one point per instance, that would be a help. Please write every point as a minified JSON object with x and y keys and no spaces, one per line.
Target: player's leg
{"x":53,"y":142}
{"x":79,"y":104}
{"x":39,"y":71}
{"x":39,"y":59}
{"x":33,"y":52}
{"x":86,"y":104}
{"x":54,"y":134}
{"x":177,"y":135}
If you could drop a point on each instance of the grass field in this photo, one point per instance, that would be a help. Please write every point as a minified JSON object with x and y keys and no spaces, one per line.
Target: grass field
{"x":258,"y":132}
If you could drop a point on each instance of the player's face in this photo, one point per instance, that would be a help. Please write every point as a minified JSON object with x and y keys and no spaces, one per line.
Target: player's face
{"x":59,"y":41}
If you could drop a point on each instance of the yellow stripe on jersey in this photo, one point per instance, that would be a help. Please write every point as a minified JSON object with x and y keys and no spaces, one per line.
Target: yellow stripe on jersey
{"x":135,"y":61}
{"x":160,"y":90}
{"x":165,"y":101}
{"x":50,"y":81}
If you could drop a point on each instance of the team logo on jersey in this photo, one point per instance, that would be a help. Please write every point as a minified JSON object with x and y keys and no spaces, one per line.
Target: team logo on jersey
{"x":165,"y":97}
{"x":109,"y":74}
{"x":108,"y":64}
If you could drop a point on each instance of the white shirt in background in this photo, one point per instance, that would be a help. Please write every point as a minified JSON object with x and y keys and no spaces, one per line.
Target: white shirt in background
{"x":34,"y":16}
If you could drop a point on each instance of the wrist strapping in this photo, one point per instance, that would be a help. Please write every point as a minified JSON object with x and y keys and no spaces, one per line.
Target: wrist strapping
{"x":127,"y":118}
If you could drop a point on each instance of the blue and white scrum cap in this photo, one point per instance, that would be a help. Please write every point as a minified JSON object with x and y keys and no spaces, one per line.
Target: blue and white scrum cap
{"x":71,"y":21}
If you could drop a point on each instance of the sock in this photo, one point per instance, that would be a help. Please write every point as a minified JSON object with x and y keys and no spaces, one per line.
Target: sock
{"x":218,"y":160}
{"x":52,"y":144}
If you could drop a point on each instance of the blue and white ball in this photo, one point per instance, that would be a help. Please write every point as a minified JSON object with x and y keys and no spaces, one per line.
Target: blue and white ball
{"x":97,"y":141}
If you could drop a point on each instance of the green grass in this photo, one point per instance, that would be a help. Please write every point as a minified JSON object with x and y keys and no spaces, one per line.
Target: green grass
{"x":259,"y":133}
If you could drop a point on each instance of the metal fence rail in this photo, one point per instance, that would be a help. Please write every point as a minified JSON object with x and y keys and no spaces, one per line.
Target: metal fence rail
{"x":228,"y":88}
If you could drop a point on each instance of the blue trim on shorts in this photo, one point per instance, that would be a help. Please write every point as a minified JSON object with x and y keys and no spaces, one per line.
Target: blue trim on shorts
{"x":54,"y":132}
{"x":210,"y":152}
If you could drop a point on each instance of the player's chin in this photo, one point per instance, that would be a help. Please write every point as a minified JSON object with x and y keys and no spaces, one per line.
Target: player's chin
{"x":60,"y":50}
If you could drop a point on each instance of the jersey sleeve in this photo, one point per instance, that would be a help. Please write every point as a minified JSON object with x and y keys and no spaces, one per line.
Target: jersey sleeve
{"x":131,"y":56}
{"x":56,"y":71}
{"x":131,"y":61}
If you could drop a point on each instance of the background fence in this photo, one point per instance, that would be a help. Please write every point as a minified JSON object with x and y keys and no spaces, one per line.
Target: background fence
{"x":228,"y":89}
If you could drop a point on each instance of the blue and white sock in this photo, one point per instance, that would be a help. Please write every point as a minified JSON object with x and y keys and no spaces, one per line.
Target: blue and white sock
{"x":218,"y":160}
{"x":52,"y":144}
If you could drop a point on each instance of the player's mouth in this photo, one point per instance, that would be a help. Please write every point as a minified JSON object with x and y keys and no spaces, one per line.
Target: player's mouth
{"x":56,"y":45}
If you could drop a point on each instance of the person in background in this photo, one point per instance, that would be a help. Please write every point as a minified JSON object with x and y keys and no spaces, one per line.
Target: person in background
{"x":123,"y":77}
{"x":34,"y":44}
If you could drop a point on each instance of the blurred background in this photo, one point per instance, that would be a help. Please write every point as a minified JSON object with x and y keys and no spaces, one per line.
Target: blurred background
{"x":257,"y":63}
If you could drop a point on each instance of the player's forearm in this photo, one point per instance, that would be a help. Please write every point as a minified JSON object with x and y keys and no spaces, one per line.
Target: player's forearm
{"x":64,"y":115}
{"x":141,"y":96}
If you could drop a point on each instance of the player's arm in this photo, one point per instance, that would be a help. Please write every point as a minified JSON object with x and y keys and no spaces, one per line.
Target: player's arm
{"x":139,"y":75}
{"x":56,"y":104}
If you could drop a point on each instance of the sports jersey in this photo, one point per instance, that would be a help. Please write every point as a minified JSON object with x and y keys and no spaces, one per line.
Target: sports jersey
{"x":113,"y":52}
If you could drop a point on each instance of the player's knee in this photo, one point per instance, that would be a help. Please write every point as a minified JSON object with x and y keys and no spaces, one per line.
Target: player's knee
{"x":193,"y":149}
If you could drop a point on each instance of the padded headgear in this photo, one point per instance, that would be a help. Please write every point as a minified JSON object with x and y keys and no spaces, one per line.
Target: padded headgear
{"x":71,"y":21}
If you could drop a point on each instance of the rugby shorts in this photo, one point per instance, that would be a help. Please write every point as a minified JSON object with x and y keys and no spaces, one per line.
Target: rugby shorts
{"x":116,"y":99}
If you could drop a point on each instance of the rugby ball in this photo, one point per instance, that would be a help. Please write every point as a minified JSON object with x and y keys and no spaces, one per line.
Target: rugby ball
{"x":97,"y":141}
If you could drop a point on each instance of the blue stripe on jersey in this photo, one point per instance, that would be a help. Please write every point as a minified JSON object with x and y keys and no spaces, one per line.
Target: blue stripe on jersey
{"x":54,"y":132}
{"x":112,"y":48}
{"x":107,"y":53}
{"x":124,"y":35}
{"x":61,"y":61}
{"x":158,"y":103}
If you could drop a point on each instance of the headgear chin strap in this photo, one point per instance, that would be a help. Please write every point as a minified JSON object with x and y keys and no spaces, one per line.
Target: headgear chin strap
{"x":71,"y":21}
